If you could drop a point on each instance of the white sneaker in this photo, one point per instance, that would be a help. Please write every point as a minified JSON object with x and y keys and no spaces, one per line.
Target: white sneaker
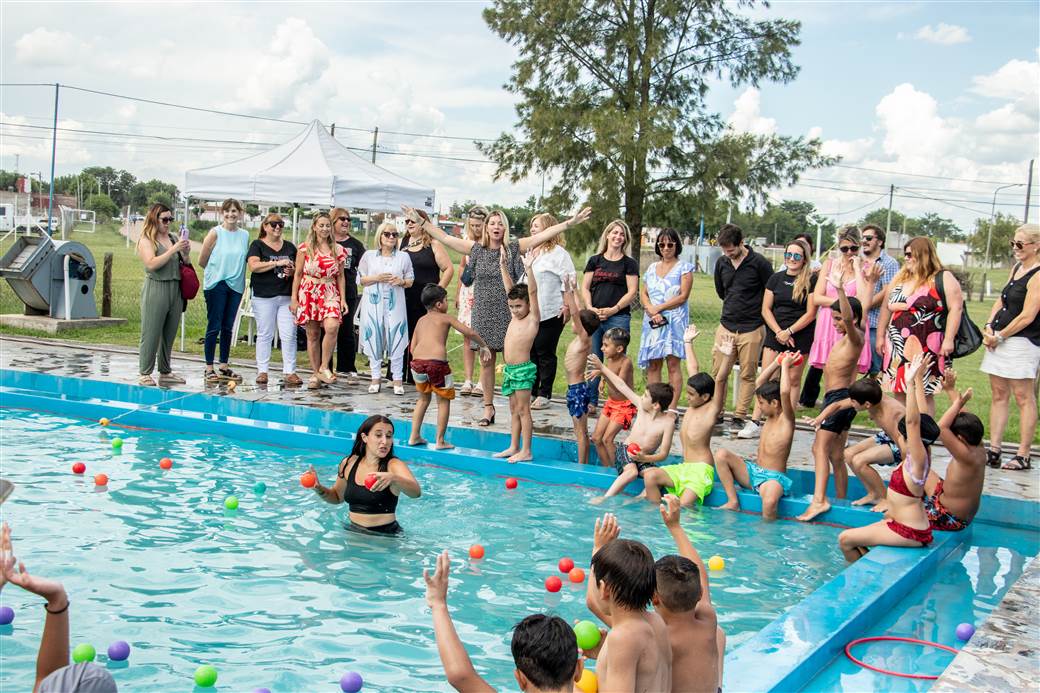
{"x":750,"y":430}
{"x":540,"y":403}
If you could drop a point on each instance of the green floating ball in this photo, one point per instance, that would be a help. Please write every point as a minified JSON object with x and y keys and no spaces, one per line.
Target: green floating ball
{"x":231,"y":503}
{"x":84,"y":652}
{"x":587,"y":633}
{"x":117,"y":443}
{"x":260,"y":488}
{"x":205,"y":676}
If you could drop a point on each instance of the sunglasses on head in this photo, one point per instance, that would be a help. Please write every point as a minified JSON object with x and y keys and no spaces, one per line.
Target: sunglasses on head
{"x":477,"y":214}
{"x":389,"y":234}
{"x":276,"y":224}
{"x":1018,"y":245}
{"x":166,"y":220}
{"x":793,"y":256}
{"x":849,"y":248}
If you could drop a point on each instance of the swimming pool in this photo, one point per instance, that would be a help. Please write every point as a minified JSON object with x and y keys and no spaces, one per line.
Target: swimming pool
{"x":277,"y":594}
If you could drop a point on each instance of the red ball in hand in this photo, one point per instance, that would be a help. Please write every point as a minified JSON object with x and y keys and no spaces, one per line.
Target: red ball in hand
{"x":308,"y":480}
{"x":634,"y":449}
{"x":370,"y":481}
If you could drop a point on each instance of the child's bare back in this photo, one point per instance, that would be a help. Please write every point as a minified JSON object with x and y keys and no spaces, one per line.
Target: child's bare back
{"x":430,"y":337}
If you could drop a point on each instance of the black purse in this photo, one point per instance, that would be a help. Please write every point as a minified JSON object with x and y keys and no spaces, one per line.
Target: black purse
{"x":969,"y":337}
{"x":467,"y":275}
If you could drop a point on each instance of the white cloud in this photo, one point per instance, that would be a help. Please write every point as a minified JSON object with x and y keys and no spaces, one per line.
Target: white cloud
{"x":45,"y":48}
{"x":943,"y":34}
{"x":1005,"y":119}
{"x":1014,"y":79}
{"x":912,"y":125}
{"x":747,"y":114}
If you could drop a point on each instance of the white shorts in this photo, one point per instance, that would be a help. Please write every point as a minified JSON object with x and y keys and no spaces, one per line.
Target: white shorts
{"x":1016,"y":359}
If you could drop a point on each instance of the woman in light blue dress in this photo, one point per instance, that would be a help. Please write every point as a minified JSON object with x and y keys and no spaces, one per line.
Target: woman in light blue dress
{"x":664,"y":291}
{"x":384,"y":274}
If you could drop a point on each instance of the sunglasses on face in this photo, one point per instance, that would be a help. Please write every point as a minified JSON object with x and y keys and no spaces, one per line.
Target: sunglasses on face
{"x":409,"y":222}
{"x":1018,"y":245}
{"x":166,"y":220}
{"x":849,"y":249}
{"x":389,"y":234}
{"x":868,"y":239}
{"x":276,"y":224}
{"x":793,"y":256}
{"x":665,"y":244}
{"x":342,"y":218}
{"x":908,"y":256}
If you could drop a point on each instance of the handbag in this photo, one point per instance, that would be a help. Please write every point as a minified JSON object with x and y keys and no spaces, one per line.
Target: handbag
{"x":969,"y":337}
{"x":467,"y":275}
{"x":189,"y":280}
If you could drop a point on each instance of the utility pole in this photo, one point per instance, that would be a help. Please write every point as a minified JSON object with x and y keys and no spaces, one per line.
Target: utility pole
{"x":375,"y":140}
{"x":333,"y":130}
{"x":54,"y":151}
{"x":989,"y":232}
{"x":888,"y":221}
{"x":1029,"y":191}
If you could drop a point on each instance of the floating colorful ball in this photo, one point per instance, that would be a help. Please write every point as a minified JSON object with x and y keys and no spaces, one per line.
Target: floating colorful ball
{"x":716,"y":563}
{"x":476,"y":551}
{"x":119,"y":651}
{"x":84,"y":652}
{"x":205,"y":676}
{"x":165,"y":463}
{"x":351,"y":682}
{"x":6,"y":615}
{"x":117,"y":443}
{"x":566,"y":565}
{"x":553,"y":583}
{"x":79,"y":468}
{"x":260,"y":488}
{"x":965,"y":631}
{"x":101,"y":479}
{"x":231,"y":503}
{"x":308,"y":480}
{"x":103,"y":421}
{"x":576,"y":575}
{"x":588,"y":634}
{"x":511,"y":483}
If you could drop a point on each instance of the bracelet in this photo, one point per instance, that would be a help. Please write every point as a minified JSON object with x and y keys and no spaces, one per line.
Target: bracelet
{"x":59,"y":611}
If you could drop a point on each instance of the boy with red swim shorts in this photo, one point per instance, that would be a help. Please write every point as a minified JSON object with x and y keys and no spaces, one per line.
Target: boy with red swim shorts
{"x":429,"y":365}
{"x":619,"y":411}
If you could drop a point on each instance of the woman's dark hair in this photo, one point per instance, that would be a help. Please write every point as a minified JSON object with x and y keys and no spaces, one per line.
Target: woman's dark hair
{"x":805,"y":237}
{"x":359,"y":448}
{"x":670,"y":234}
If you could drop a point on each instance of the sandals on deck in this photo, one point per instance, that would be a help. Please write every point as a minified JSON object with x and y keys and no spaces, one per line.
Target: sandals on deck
{"x":993,"y":458}
{"x":485,"y":422}
{"x":1018,"y":463}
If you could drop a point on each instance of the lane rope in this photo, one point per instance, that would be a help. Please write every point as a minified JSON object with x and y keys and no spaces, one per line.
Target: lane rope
{"x":891,"y":638}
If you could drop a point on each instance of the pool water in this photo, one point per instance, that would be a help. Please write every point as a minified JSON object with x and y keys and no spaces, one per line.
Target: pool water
{"x":964,"y":588}
{"x":278,"y":594}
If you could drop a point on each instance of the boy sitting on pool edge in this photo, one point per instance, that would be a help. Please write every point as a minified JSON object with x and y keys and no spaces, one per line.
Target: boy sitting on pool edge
{"x":430,"y":369}
{"x":545,"y":649}
{"x":618,"y":411}
{"x":652,"y":430}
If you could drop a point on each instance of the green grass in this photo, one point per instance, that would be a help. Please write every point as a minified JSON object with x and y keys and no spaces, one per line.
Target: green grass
{"x":705,"y":307}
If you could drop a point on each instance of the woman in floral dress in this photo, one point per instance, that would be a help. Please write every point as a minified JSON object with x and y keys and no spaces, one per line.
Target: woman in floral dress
{"x":384,"y":274}
{"x":318,"y":296}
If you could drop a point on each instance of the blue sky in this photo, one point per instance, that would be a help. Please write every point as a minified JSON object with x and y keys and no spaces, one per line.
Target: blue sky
{"x":945,"y":89}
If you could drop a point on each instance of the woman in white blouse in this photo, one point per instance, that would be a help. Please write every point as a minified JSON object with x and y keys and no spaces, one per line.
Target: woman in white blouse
{"x":553,"y":267}
{"x":384,"y":274}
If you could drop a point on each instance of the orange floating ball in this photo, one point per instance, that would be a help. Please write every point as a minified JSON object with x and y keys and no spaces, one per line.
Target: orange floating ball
{"x":103,"y":421}
{"x":511,"y":482}
{"x":566,"y":565}
{"x":577,"y":575}
{"x":308,"y":480}
{"x":476,"y":551}
{"x":165,"y":463}
{"x":101,"y":479}
{"x":79,"y":468}
{"x":553,"y":583}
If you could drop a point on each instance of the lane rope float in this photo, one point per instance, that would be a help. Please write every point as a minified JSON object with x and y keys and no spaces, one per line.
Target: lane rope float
{"x":891,"y":638}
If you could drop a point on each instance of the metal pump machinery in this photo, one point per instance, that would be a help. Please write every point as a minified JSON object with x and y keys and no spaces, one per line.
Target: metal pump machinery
{"x":54,"y":278}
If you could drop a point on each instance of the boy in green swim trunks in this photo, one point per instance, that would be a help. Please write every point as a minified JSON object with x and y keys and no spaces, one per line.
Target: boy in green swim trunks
{"x":519,"y":371}
{"x":692,"y":480}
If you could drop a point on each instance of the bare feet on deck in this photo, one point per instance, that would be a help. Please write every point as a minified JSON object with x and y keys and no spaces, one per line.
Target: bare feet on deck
{"x":506,"y":453}
{"x":868,"y":499}
{"x":419,"y":441}
{"x":442,"y":445}
{"x":815,"y":508}
{"x":730,"y":505}
{"x":520,"y":457}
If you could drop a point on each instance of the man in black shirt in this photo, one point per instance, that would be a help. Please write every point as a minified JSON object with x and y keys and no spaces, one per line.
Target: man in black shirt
{"x":346,"y":341}
{"x":740,"y":281}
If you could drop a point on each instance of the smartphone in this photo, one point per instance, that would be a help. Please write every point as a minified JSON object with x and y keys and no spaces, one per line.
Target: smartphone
{"x":184,"y":232}
{"x":5,"y":489}
{"x":660,"y":322}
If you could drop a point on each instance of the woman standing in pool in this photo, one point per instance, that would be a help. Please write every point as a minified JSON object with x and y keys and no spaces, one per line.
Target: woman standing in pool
{"x":370,"y":479}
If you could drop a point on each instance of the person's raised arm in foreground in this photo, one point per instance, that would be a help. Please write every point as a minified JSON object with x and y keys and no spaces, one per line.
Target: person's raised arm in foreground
{"x":605,"y":531}
{"x":458,"y":668}
{"x":916,"y":453}
{"x":670,"y":515}
{"x":949,"y":439}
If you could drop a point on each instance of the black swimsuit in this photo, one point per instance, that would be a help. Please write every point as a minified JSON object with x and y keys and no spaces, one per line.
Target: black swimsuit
{"x":365,"y":502}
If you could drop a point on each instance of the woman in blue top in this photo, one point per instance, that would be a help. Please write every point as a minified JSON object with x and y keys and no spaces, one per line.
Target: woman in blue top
{"x":666,"y":287}
{"x":224,"y":259}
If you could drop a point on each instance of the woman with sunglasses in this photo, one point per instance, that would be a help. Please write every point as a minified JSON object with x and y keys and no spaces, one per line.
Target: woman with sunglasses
{"x":430,"y":265}
{"x":271,"y":261}
{"x":1012,"y":357}
{"x":353,"y":249}
{"x":161,"y":301}
{"x":664,"y":291}
{"x":318,"y":297}
{"x":914,"y":320}
{"x":473,"y":230}
{"x":384,"y":274}
{"x":845,"y":260}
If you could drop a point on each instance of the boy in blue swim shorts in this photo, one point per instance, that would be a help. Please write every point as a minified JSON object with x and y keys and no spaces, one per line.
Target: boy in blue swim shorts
{"x":767,"y":476}
{"x":579,"y":396}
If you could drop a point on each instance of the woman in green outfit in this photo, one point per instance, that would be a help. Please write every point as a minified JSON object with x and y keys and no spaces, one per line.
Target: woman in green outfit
{"x":161,"y":302}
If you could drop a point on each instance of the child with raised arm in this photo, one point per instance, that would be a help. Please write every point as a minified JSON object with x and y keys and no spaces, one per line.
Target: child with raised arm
{"x":905,"y":523}
{"x":767,"y":475}
{"x":618,"y":412}
{"x":651,"y":438}
{"x":684,"y":602}
{"x":584,"y":322}
{"x":545,"y":649}
{"x":951,"y":503}
{"x":429,"y":365}
{"x":692,"y":479}
{"x":519,"y":372}
{"x":838,"y":374}
{"x":635,"y":655}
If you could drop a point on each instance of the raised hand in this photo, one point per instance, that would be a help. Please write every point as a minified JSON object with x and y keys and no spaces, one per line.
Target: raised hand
{"x":51,"y":590}
{"x":950,"y":380}
{"x":670,"y":510}
{"x":966,"y":396}
{"x":580,"y":217}
{"x":914,"y":367}
{"x":437,"y":584}
{"x":725,"y":345}
{"x":605,"y":531}
{"x":485,"y":356}
{"x":691,"y":333}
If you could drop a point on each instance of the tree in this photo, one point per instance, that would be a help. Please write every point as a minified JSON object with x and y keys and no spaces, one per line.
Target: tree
{"x":144,"y":195}
{"x":1003,"y":231}
{"x":937,"y":228}
{"x":879,"y":217}
{"x":102,"y":205}
{"x":613,"y":99}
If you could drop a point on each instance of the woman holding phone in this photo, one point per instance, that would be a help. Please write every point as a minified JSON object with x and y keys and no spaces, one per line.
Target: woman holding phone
{"x":161,"y":302}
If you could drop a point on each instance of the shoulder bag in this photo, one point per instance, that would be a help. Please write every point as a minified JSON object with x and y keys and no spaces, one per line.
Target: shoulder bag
{"x":968,"y":338}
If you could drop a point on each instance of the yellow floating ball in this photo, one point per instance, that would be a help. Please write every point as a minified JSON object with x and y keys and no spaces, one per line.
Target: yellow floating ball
{"x":103,"y":421}
{"x":716,"y":563}
{"x":588,"y":683}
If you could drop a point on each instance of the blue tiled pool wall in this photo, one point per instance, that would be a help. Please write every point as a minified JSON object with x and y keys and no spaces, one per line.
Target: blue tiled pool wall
{"x":783,"y":656}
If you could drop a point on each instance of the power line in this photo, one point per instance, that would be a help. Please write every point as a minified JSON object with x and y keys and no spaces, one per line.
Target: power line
{"x":921,"y":175}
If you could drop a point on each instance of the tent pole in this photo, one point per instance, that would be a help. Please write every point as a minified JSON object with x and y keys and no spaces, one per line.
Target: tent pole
{"x":295,"y":223}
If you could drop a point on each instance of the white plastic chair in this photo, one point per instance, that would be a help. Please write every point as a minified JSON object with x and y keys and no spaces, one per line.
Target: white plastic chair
{"x":245,"y":310}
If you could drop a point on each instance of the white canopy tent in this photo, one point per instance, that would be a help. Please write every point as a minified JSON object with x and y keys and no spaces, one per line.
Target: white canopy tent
{"x":311,"y":169}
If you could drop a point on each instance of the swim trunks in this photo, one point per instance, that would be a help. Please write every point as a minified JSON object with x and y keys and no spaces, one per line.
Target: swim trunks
{"x":433,"y":375}
{"x":621,"y":458}
{"x":923,"y":536}
{"x":897,"y":454}
{"x":759,"y":475}
{"x":698,"y":477}
{"x":389,"y":529}
{"x":518,"y":376}
{"x":938,"y":516}
{"x":620,"y":411}
{"x":578,"y":399}
{"x":841,"y":420}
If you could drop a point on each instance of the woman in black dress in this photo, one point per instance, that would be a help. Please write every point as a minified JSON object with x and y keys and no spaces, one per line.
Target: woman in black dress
{"x":789,"y":312}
